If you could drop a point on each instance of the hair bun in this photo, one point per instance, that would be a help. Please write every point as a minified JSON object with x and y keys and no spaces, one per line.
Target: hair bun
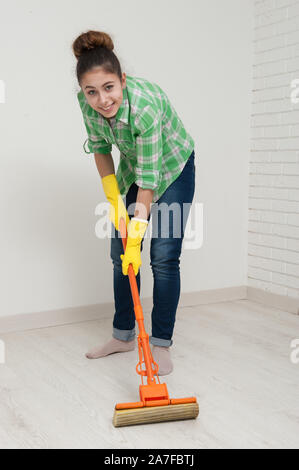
{"x":91,"y":40}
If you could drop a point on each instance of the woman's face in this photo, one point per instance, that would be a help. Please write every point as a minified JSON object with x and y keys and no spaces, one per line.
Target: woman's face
{"x":103,"y":91}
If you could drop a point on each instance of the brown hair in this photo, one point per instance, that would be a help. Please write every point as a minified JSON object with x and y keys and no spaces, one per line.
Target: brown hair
{"x":95,"y":49}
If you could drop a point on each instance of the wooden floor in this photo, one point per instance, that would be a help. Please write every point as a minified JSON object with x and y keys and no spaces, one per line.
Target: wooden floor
{"x":234,"y":356}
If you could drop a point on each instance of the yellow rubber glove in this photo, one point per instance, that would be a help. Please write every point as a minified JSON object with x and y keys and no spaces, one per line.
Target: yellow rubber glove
{"x":117,"y":207}
{"x":136,"y":231}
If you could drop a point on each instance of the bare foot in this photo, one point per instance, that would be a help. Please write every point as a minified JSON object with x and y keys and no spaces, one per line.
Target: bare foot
{"x":113,"y":346}
{"x":161,"y":356}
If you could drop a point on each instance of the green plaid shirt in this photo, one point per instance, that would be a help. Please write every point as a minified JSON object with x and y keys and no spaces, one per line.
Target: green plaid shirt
{"x":153,"y":142}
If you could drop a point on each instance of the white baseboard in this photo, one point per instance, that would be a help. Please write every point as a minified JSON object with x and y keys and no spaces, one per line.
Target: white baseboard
{"x":45,"y":319}
{"x":282,"y":302}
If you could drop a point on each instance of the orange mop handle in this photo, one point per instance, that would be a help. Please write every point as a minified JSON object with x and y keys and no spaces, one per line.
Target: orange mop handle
{"x":138,"y":310}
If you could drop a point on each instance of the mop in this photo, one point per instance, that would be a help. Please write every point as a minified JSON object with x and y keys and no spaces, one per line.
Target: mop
{"x":155,"y":405}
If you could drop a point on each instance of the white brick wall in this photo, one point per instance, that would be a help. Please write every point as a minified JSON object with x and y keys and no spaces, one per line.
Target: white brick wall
{"x":273,"y":250}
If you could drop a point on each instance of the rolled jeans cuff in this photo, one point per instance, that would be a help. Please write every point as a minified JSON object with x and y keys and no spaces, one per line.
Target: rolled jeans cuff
{"x":123,"y":335}
{"x":160,"y":341}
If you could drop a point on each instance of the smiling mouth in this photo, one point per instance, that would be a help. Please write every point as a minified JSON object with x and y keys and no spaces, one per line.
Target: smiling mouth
{"x":107,"y":109}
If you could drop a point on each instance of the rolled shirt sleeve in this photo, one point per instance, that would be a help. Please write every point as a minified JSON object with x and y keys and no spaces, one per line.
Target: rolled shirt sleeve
{"x":96,"y":143}
{"x":149,"y":148}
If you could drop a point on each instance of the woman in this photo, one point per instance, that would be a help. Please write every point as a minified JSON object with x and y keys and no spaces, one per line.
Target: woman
{"x":156,"y":169}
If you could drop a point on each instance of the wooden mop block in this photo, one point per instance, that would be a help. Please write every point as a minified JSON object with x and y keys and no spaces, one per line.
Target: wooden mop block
{"x":155,"y":414}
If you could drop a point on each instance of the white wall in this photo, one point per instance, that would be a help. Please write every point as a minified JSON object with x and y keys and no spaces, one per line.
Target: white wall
{"x":274,"y":159}
{"x":200,"y":53}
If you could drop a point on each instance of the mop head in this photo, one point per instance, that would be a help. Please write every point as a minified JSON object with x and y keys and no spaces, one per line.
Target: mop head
{"x":155,"y":414}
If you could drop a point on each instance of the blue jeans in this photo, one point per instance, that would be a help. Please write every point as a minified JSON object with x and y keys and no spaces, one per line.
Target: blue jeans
{"x":165,"y":251}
